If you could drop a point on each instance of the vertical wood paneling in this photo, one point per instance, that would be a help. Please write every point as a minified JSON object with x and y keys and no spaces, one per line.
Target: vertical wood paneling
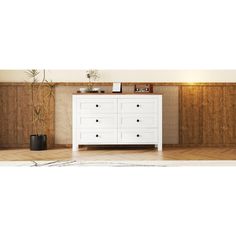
{"x":2,"y":114}
{"x":24,"y":116}
{"x":3,"y":106}
{"x":207,"y":115}
{"x":191,"y":115}
{"x":8,"y":108}
{"x":11,"y":124}
{"x":213,"y":115}
{"x":229,"y":115}
{"x":16,"y":116}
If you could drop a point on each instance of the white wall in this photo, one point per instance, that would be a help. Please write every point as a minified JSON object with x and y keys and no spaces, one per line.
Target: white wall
{"x":128,"y":75}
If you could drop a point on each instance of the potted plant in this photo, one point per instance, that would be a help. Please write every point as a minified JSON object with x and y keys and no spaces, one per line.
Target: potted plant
{"x":92,"y":75}
{"x":41,"y":94}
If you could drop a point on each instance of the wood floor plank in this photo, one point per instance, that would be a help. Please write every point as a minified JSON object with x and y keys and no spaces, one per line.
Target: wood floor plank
{"x":119,"y":154}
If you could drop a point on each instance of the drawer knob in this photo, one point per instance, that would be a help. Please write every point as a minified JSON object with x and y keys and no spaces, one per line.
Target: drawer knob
{"x":137,"y":120}
{"x":137,"y":105}
{"x":96,"y":120}
{"x":137,"y":135}
{"x":96,"y":135}
{"x":96,"y":105}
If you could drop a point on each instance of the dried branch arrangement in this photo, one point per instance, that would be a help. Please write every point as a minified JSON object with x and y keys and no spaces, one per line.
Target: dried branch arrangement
{"x":92,"y":75}
{"x":42,"y":93}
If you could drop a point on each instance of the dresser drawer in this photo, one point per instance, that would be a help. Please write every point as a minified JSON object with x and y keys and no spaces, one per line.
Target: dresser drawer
{"x":144,"y":136}
{"x":137,"y":121}
{"x":137,"y":105}
{"x":97,"y":136}
{"x":96,"y":106}
{"x":97,"y":121}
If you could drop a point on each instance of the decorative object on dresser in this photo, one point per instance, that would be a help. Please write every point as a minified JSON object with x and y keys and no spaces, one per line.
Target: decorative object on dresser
{"x":92,"y":75}
{"x":117,"y":119}
{"x":40,"y":100}
{"x":116,"y":87}
{"x":94,"y":90}
{"x":143,"y":88}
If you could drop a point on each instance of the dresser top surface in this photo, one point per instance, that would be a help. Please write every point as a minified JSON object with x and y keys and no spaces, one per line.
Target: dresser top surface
{"x":117,"y":94}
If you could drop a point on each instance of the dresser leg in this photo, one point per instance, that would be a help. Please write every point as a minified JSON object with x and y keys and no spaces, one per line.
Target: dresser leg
{"x":159,"y":146}
{"x":75,"y":148}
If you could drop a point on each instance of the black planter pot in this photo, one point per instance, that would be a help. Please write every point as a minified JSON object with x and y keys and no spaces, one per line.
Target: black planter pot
{"x":38,"y":142}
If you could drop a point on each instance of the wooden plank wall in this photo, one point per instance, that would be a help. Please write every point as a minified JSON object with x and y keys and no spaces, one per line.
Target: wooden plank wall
{"x":208,"y":115}
{"x":16,"y":117}
{"x":8,"y":108}
{"x":213,"y":115}
{"x":229,"y":115}
{"x":190,"y":104}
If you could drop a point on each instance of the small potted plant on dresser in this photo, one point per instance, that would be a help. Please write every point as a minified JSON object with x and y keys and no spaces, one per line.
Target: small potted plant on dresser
{"x":92,"y":75}
{"x":41,"y":94}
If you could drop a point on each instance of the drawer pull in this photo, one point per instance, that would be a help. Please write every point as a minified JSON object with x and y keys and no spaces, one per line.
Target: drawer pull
{"x":96,"y":135}
{"x":138,"y":120}
{"x":137,"y":105}
{"x":137,"y":135}
{"x":96,"y":105}
{"x":96,"y":120}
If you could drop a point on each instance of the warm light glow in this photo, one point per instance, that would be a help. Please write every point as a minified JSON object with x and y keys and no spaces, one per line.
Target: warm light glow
{"x":192,"y":83}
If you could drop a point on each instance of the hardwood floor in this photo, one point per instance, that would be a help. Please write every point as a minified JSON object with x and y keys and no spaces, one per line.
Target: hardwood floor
{"x":121,"y":154}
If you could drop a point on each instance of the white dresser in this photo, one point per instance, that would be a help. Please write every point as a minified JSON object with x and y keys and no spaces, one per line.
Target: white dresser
{"x":117,"y":119}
